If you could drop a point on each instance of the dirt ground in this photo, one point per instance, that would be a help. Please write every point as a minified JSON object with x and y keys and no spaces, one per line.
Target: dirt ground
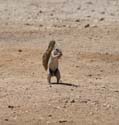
{"x":88,"y":34}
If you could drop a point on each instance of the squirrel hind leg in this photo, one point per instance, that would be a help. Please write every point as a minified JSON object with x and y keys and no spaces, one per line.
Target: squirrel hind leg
{"x":58,"y":76}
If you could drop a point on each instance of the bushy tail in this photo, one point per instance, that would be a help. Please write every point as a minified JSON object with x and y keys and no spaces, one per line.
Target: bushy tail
{"x":47,"y":53}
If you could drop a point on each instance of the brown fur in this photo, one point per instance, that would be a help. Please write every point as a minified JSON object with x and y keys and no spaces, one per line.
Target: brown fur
{"x":47,"y":54}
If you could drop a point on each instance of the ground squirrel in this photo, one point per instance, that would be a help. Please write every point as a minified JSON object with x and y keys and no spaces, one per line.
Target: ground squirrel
{"x":50,"y":61}
{"x":53,"y":65}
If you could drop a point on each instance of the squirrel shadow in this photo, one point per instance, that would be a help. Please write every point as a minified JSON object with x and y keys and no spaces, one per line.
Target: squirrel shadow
{"x":65,"y":84}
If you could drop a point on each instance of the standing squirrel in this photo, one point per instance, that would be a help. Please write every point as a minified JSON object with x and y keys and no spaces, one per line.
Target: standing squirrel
{"x":53,"y":65}
{"x":50,"y":61}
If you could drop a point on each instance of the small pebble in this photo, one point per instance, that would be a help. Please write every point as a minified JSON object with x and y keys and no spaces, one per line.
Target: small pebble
{"x":19,"y":50}
{"x":90,"y":75}
{"x":73,"y":101}
{"x":40,"y":11}
{"x":10,"y":106}
{"x":62,"y":121}
{"x":50,"y":115}
{"x":101,"y":19}
{"x":77,"y":20}
{"x":6,"y":119}
{"x":87,"y":25}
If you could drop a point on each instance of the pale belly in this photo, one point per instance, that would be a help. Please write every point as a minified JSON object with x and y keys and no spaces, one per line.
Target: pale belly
{"x":53,"y":64}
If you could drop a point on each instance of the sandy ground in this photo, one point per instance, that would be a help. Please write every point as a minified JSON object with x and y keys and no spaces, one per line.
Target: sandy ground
{"x":88,"y":34}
